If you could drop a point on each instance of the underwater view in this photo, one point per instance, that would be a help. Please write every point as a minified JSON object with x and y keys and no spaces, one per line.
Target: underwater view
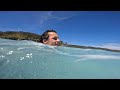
{"x":22,"y":59}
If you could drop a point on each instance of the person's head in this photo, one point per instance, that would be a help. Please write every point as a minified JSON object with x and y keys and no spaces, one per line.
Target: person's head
{"x":50,"y":37}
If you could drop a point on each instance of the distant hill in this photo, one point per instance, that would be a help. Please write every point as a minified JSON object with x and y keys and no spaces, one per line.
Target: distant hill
{"x":35,"y":37}
{"x":20,"y":35}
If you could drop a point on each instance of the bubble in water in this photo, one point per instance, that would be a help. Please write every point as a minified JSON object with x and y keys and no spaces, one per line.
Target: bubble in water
{"x":21,"y":58}
{"x":1,"y":48}
{"x":8,"y":61}
{"x":2,"y":56}
{"x":10,"y":52}
{"x":29,"y":55}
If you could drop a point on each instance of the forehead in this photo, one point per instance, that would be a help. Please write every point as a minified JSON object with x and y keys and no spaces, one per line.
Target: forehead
{"x":52,"y":34}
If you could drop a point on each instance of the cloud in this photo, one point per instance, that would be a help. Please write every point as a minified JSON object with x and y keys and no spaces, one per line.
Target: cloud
{"x":115,"y":46}
{"x":45,"y":17}
{"x":50,"y":15}
{"x":61,"y":18}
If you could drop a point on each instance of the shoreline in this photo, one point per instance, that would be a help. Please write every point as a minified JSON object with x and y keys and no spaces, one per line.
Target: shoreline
{"x":20,"y":35}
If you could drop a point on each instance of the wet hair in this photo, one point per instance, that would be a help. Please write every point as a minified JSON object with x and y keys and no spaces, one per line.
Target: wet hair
{"x":45,"y":35}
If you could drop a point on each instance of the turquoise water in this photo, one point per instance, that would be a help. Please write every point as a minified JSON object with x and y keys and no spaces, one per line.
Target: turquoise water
{"x":32,"y":60}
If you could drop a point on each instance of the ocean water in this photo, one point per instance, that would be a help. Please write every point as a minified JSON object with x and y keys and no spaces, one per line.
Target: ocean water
{"x":31,"y":60}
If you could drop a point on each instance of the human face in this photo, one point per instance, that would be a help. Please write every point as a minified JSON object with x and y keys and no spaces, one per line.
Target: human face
{"x":53,"y":39}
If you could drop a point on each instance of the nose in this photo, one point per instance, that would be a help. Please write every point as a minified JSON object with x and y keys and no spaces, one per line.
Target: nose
{"x":58,"y":42}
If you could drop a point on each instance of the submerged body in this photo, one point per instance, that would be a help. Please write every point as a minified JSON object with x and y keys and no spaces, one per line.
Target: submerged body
{"x":28,"y":59}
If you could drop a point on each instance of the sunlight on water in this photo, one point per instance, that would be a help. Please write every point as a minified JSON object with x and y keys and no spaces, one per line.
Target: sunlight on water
{"x":29,"y":60}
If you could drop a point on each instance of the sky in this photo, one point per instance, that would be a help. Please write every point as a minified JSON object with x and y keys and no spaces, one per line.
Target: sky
{"x":86,"y":28}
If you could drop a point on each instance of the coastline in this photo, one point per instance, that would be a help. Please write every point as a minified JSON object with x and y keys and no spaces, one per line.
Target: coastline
{"x":20,"y":35}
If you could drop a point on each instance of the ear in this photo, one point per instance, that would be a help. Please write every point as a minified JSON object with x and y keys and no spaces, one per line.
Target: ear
{"x":45,"y":41}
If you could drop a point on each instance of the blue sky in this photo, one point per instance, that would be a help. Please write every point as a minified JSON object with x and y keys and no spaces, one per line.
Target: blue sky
{"x":89,"y":28}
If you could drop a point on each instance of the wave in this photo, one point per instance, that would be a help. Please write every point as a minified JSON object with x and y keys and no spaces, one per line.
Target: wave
{"x":97,"y":57}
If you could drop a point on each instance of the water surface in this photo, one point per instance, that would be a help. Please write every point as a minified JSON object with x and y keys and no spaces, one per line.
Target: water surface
{"x":32,"y":60}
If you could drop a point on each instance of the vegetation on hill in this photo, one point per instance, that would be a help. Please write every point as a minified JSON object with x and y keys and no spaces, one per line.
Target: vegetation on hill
{"x":20,"y":35}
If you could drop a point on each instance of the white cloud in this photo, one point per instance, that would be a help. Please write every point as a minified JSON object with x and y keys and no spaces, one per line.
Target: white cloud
{"x":61,"y":18}
{"x":45,"y":17}
{"x":49,"y":15}
{"x":115,"y":46}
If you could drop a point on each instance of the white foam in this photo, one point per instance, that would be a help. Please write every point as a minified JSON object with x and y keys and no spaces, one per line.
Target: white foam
{"x":98,"y":57}
{"x":20,"y":48}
